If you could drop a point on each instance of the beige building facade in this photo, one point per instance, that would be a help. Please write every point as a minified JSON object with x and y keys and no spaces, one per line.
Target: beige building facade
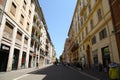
{"x":15,"y":34}
{"x":21,"y":24}
{"x":93,"y":38}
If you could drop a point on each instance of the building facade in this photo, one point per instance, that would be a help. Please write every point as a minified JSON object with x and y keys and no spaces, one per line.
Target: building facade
{"x":93,"y":39}
{"x":21,"y":24}
{"x":115,"y":11}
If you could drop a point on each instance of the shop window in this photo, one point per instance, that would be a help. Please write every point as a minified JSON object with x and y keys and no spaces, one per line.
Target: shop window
{"x":95,"y":57}
{"x":106,"y":56}
{"x":23,"y":60}
{"x":13,"y":9}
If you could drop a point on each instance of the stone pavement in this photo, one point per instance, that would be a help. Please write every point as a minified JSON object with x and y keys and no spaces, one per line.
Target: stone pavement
{"x":12,"y":75}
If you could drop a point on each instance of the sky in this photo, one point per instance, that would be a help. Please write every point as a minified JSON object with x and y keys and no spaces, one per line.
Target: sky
{"x":58,"y":16}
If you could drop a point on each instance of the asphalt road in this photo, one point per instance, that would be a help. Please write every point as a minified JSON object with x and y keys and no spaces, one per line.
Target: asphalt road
{"x":53,"y":72}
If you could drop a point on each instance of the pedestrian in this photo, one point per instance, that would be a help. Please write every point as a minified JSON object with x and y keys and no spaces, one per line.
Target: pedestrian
{"x":81,"y":67}
{"x":100,"y":67}
{"x":114,"y":71}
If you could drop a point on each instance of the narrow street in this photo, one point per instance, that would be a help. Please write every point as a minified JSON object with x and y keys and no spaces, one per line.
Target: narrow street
{"x":81,"y":36}
{"x":58,"y":72}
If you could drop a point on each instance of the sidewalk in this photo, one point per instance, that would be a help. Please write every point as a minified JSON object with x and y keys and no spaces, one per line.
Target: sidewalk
{"x":17,"y":73}
{"x":95,"y":73}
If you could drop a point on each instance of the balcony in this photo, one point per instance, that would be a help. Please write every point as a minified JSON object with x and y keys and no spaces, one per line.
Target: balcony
{"x":34,"y":36}
{"x":32,"y":49}
{"x":25,"y":47}
{"x":35,"y":25}
{"x":75,"y":47}
{"x":36,"y":15}
{"x":83,"y":7}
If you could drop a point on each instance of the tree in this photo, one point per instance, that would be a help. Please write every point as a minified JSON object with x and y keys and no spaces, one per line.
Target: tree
{"x":61,"y":58}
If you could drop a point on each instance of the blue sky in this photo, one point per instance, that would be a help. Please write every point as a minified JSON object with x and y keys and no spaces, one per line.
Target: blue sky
{"x":58,"y":15}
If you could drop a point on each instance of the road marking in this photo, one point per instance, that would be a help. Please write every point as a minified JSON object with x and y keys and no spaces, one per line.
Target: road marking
{"x":86,"y":74}
{"x":21,"y":77}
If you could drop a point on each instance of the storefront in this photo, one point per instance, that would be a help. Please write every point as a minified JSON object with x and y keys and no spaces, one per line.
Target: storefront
{"x":105,"y":56}
{"x":4,"y":54}
{"x":15,"y":59}
{"x":95,"y":58}
{"x":23,"y":60}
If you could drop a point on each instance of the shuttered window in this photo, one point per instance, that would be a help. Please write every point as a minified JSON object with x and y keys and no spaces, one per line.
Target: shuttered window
{"x":13,"y":9}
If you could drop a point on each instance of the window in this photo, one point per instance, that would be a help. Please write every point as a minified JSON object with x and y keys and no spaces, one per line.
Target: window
{"x":86,"y":31}
{"x":89,"y":7}
{"x":27,"y":28}
{"x":85,"y":16}
{"x":95,"y":56}
{"x":13,"y":9}
{"x":80,"y":38}
{"x":91,"y":23}
{"x":0,"y":16}
{"x":24,"y":5}
{"x":2,"y":2}
{"x":94,"y":40}
{"x":83,"y":47}
{"x":19,"y":36}
{"x":29,"y":13}
{"x":80,"y":49}
{"x":99,"y":14}
{"x":22,"y":19}
{"x":8,"y":31}
{"x":26,"y":40}
{"x":81,"y":21}
{"x":103,"y":34}
{"x":82,"y":35}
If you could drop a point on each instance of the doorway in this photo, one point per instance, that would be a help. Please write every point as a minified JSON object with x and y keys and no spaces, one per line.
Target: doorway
{"x":4,"y":54}
{"x":15,"y":59}
{"x":106,"y":56}
{"x":23,"y":60}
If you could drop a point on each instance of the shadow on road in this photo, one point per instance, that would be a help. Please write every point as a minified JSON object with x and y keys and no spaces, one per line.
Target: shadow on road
{"x":60,"y":72}
{"x":52,"y":72}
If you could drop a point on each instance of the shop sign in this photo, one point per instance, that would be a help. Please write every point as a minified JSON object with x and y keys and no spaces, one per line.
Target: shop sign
{"x":5,"y":48}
